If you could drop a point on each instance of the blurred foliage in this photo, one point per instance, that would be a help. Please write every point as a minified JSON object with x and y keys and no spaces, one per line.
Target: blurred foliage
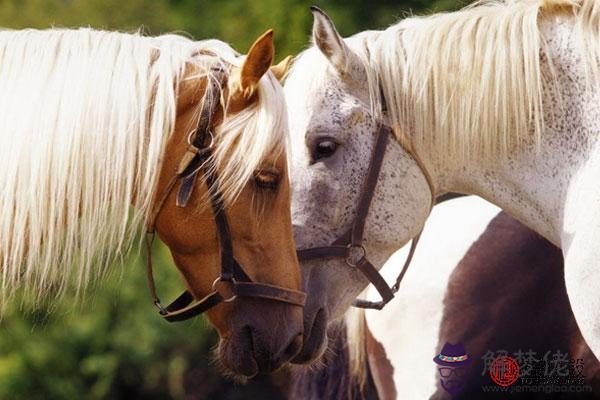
{"x":238,"y":22}
{"x":114,"y":345}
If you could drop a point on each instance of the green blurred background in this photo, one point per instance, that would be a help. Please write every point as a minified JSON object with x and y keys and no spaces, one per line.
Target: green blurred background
{"x":112,"y":344}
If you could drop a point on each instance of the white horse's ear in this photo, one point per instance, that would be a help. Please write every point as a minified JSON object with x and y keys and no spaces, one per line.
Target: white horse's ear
{"x":329,"y":41}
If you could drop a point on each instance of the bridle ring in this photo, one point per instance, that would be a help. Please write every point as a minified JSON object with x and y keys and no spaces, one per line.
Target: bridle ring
{"x":212,"y":138}
{"x":231,"y":282}
{"x":349,"y":258}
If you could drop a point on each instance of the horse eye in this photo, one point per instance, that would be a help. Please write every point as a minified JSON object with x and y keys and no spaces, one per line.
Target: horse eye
{"x":325,"y":148}
{"x":267,"y":179}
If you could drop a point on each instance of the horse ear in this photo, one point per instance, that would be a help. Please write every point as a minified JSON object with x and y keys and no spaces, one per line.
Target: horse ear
{"x":328,"y":40}
{"x":257,"y":62}
{"x":280,"y":70}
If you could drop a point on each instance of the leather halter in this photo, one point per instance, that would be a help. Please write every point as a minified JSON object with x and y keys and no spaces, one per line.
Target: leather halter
{"x":351,"y":243}
{"x":233,"y":282}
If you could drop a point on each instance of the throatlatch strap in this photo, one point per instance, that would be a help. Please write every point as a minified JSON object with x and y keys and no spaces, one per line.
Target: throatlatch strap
{"x":389,"y":292}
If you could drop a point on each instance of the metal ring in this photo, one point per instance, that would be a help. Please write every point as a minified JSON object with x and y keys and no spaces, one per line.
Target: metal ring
{"x":212,"y":138}
{"x":231,"y":282}
{"x":355,"y":246}
{"x":189,"y":137}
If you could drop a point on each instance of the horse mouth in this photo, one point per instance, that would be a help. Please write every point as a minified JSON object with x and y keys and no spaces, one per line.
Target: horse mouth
{"x":315,"y":339}
{"x":237,"y":357}
{"x":248,"y":353}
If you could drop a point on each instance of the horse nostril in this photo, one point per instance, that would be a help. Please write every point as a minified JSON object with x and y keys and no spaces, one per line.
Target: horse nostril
{"x":293,"y":348}
{"x":249,"y":333}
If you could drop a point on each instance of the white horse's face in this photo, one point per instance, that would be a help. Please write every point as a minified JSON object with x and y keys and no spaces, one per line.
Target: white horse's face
{"x":333,"y":133}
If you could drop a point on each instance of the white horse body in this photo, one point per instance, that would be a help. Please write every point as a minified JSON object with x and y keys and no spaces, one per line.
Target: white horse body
{"x":454,"y":96}
{"x":408,"y":327}
{"x":553,"y":189}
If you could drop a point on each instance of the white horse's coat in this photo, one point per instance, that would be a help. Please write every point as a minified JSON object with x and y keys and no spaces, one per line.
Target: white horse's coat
{"x":549,"y":180}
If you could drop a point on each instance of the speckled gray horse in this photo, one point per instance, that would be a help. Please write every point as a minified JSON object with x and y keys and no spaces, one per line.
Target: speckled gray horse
{"x":498,"y":100}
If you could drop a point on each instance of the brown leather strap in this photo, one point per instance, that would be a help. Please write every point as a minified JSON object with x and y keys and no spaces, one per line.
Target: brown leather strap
{"x":198,"y":157}
{"x":266,"y":291}
{"x":368,"y":191}
{"x":378,"y":305}
{"x":149,"y":239}
{"x":150,"y":224}
{"x":184,"y":307}
{"x":322,"y":252}
{"x":353,"y":239}
{"x":411,"y":253}
{"x":185,"y":190}
{"x":377,"y":280}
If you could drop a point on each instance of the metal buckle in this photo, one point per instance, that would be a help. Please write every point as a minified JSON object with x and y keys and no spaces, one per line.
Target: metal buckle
{"x":232,"y":294}
{"x":355,"y":256}
{"x":161,"y":309}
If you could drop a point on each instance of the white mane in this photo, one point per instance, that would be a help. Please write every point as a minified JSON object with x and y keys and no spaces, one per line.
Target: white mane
{"x":470,"y":82}
{"x":84,"y":119}
{"x":467,"y":82}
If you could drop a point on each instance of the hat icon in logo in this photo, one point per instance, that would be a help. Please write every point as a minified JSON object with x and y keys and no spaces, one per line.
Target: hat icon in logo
{"x":453,"y":355}
{"x":453,"y":361}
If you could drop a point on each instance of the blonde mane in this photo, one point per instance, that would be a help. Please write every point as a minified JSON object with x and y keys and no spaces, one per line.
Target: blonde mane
{"x":468,"y":83}
{"x":84,"y":119}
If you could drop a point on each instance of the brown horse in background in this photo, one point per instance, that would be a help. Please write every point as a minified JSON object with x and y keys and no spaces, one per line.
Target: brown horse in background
{"x":507,"y":293}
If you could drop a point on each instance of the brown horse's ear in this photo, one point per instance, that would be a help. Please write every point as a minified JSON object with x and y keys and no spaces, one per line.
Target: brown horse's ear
{"x":257,"y":62}
{"x":280,"y":70}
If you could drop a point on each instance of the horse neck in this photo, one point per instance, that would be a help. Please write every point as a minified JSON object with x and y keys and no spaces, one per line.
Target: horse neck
{"x":533,"y":182}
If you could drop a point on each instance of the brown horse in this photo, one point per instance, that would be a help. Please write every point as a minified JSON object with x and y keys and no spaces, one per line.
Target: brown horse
{"x":507,"y":293}
{"x":93,"y":122}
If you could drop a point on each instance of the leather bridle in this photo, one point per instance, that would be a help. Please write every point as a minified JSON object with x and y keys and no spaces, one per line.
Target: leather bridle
{"x":233,"y":282}
{"x":351,"y":244}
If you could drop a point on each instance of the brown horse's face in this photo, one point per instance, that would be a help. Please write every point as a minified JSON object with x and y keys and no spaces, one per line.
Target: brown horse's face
{"x":256,"y":334}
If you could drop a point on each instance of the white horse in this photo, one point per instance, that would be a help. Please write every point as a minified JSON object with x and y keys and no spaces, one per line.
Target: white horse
{"x":475,"y":281}
{"x":498,"y":100}
{"x":482,"y":290}
{"x":409,"y":327}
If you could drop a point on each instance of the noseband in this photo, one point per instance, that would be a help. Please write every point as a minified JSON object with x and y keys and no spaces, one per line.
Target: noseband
{"x":350,"y":245}
{"x":233,"y":281}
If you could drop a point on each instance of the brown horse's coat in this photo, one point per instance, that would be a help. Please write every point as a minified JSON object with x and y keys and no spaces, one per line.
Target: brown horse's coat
{"x":507,"y":293}
{"x":259,"y":220}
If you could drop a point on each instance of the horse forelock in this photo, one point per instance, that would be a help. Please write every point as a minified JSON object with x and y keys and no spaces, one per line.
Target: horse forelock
{"x":250,"y":138}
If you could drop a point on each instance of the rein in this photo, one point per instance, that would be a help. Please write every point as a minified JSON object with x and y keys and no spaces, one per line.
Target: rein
{"x":351,"y":244}
{"x":233,"y":282}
